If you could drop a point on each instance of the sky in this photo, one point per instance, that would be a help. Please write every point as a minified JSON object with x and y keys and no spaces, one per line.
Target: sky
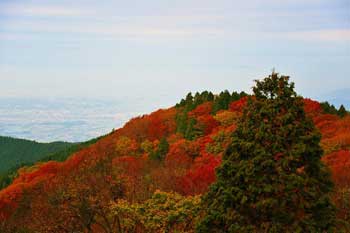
{"x":156,"y":51}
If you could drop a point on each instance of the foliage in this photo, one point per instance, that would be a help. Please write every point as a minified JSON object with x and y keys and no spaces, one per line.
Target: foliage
{"x":61,"y":155}
{"x":271,"y":178}
{"x":15,"y":152}
{"x":220,"y":141}
{"x":125,"y":146}
{"x":191,"y":112}
{"x":161,"y":151}
{"x":223,"y":100}
{"x":110,"y":184}
{"x":331,"y":109}
{"x":342,"y":111}
{"x":164,"y":212}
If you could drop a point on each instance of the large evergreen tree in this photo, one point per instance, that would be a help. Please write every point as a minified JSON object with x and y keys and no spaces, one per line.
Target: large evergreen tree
{"x":271,"y":178}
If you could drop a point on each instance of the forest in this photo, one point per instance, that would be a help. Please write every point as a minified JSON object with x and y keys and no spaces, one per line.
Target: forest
{"x":18,"y":153}
{"x":271,"y":161}
{"x":15,"y":152}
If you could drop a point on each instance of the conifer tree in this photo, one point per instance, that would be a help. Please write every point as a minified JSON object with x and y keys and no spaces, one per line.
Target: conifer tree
{"x":342,"y":111}
{"x":271,"y":178}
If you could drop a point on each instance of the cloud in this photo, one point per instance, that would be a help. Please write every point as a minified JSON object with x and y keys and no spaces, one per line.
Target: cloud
{"x":43,"y":11}
{"x":326,"y":35}
{"x":154,"y":27}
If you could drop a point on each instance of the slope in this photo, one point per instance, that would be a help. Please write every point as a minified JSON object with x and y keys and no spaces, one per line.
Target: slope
{"x":15,"y":152}
{"x":113,"y":185}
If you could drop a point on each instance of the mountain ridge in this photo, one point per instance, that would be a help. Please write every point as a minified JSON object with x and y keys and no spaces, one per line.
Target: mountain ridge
{"x":172,"y":150}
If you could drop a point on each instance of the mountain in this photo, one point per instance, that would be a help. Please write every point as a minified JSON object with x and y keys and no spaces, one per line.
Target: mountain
{"x":15,"y":152}
{"x":149,"y":175}
{"x":58,"y":151}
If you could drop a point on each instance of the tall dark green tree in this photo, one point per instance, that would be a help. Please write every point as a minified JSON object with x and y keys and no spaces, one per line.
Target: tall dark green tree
{"x":271,"y":178}
{"x":342,"y":111}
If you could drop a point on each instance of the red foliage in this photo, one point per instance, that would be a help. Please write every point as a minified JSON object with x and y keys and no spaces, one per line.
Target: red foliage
{"x":181,"y":154}
{"x":42,"y":172}
{"x":237,"y":106}
{"x":187,"y":168}
{"x":130,"y":165}
{"x":339,"y":162}
{"x":207,"y":123}
{"x":198,"y":179}
{"x":202,"y":109}
{"x":312,"y":107}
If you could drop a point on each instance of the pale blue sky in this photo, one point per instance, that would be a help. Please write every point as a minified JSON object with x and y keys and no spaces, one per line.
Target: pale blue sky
{"x":114,"y":49}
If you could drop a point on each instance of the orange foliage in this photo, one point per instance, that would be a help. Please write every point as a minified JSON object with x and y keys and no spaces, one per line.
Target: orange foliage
{"x":202,"y":109}
{"x":237,"y":106}
{"x":205,"y":121}
{"x":312,"y":107}
{"x":227,"y":118}
{"x":154,"y":126}
{"x":188,"y":167}
{"x":339,"y":162}
{"x":42,"y":172}
{"x":198,"y":179}
{"x":181,"y":154}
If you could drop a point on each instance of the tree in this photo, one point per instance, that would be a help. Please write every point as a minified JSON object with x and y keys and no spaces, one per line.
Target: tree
{"x":342,"y":111}
{"x":162,"y":150}
{"x":271,"y":178}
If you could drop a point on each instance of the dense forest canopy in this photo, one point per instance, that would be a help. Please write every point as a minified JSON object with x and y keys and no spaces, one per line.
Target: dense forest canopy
{"x":15,"y":152}
{"x":56,"y":153}
{"x":158,"y":172}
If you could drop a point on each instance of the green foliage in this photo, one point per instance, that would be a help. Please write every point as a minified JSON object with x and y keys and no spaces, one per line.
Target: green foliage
{"x":7,"y":176}
{"x":190,"y":102}
{"x":220,"y":142}
{"x":146,"y":146}
{"x":164,"y":212}
{"x":161,"y":151}
{"x":331,"y":109}
{"x":271,"y":178}
{"x":342,"y":199}
{"x":14,"y":152}
{"x":223,"y":100}
{"x":342,"y":111}
{"x":186,"y":125}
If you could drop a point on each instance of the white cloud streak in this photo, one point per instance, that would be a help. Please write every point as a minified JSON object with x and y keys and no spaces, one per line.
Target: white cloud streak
{"x":44,"y":11}
{"x":330,"y":35}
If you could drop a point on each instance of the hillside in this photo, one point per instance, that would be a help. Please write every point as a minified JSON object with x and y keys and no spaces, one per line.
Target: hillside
{"x":61,"y":154}
{"x":15,"y":152}
{"x":151,"y":174}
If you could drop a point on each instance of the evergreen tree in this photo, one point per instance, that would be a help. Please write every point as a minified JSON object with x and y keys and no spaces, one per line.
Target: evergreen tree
{"x":328,"y":108}
{"x":271,"y":178}
{"x":163,"y":147}
{"x":342,"y":111}
{"x":161,"y":151}
{"x":192,"y":131}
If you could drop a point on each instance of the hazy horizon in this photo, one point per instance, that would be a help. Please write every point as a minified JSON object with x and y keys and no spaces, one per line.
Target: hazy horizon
{"x":150,"y":54}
